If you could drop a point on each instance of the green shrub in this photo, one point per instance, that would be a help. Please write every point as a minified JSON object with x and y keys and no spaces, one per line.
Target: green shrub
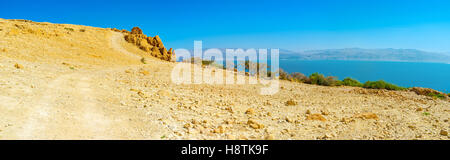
{"x":69,"y":29}
{"x":143,"y":60}
{"x":351,"y":82}
{"x":206,"y":62}
{"x":320,"y":79}
{"x":316,"y":78}
{"x":381,"y":85}
{"x":436,"y":95}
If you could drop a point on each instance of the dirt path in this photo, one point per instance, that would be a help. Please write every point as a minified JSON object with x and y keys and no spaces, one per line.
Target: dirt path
{"x":75,"y":106}
{"x":66,"y":109}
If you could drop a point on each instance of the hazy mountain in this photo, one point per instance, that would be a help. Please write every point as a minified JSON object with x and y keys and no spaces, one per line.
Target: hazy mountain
{"x":389,"y":54}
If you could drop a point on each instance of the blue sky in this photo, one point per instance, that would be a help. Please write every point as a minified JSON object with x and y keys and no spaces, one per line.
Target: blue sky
{"x":295,"y":25}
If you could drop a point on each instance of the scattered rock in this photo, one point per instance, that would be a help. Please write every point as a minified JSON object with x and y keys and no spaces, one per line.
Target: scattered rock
{"x":231,"y":137}
{"x":144,"y":72}
{"x":229,"y":109}
{"x":18,"y":66}
{"x":324,"y":112}
{"x":187,"y":125}
{"x":219,"y":129}
{"x":424,"y":91}
{"x":250,"y":111}
{"x":367,"y":115}
{"x":291,"y":103}
{"x":308,"y":111}
{"x":142,"y":94}
{"x":443,"y":133}
{"x":419,"y":109}
{"x":289,"y":120}
{"x":255,"y":125}
{"x":163,"y":93}
{"x":270,"y":137}
{"x":316,"y":117}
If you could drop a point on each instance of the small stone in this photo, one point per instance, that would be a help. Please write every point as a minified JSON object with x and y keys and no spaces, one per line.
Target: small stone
{"x":242,"y":137}
{"x":270,"y":137}
{"x":367,"y":115}
{"x":324,"y":112}
{"x":219,"y":129}
{"x":308,"y":111}
{"x":18,"y":66}
{"x":187,"y":125}
{"x":316,"y":117}
{"x":291,"y":103}
{"x":229,"y":109}
{"x":444,"y":133}
{"x":250,"y":111}
{"x":419,"y":109}
{"x":231,"y":137}
{"x":144,"y":72}
{"x":255,"y":125}
{"x":289,"y":120}
{"x":142,"y":94}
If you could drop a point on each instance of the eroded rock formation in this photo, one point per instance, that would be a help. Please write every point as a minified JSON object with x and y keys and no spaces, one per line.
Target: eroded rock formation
{"x":153,"y":45}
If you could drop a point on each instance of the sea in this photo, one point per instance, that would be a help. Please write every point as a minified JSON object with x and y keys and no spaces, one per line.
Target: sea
{"x":405,"y":74}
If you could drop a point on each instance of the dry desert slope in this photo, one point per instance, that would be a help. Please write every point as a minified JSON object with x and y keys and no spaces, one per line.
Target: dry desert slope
{"x":62,"y":81}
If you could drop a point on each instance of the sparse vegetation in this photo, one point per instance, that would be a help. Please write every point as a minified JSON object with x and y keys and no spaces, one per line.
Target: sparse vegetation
{"x":82,"y":30}
{"x":351,"y":82}
{"x":143,"y":60}
{"x":69,"y":29}
{"x":436,"y":95}
{"x":320,"y":79}
{"x":207,"y":62}
{"x":298,"y":77}
{"x":381,"y":85}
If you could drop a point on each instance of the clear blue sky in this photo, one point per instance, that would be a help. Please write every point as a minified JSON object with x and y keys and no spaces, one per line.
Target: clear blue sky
{"x":294,"y":25}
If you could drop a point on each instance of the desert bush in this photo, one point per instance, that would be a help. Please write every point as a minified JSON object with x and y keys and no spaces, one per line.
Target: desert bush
{"x":351,"y":82}
{"x":143,"y":60}
{"x":284,"y":75}
{"x":333,"y":81}
{"x":82,"y":30}
{"x":320,"y":79}
{"x":437,"y":95}
{"x":298,"y":77}
{"x":69,"y":29}
{"x":207,"y":62}
{"x":316,"y":78}
{"x":381,"y":85}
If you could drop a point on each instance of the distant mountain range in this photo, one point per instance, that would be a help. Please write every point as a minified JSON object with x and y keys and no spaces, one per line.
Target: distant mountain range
{"x":388,"y":54}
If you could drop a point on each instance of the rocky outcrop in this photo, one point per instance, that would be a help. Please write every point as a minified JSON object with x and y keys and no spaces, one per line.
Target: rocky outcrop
{"x":425,"y":91}
{"x":153,"y":45}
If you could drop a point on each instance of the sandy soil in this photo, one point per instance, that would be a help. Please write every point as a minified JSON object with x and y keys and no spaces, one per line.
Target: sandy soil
{"x":79,"y":82}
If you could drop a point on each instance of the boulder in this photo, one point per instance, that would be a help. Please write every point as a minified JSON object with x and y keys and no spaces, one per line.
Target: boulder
{"x":136,"y":30}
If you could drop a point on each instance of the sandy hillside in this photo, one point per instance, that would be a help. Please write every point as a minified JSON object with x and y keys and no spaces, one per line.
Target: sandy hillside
{"x":61,"y":81}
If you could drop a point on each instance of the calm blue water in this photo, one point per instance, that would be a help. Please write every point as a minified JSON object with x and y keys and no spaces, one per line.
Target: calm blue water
{"x":405,"y":74}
